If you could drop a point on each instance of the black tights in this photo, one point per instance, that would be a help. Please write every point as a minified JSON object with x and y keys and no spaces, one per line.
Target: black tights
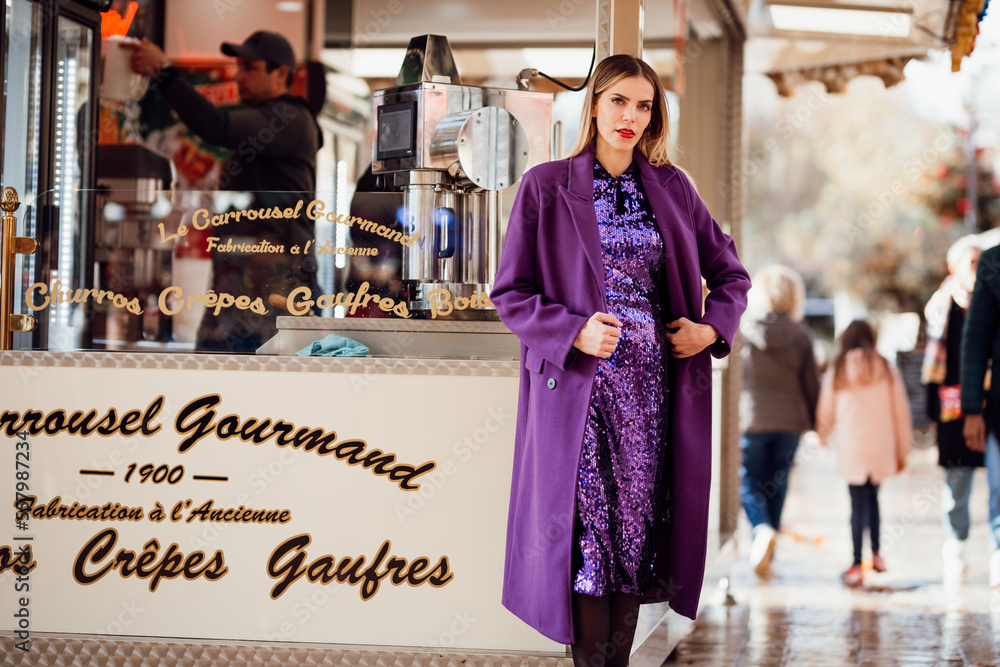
{"x":604,"y":628}
{"x":864,"y":513}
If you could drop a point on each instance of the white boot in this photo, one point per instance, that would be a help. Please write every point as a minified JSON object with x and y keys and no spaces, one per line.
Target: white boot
{"x":953,"y":555}
{"x":762,"y":548}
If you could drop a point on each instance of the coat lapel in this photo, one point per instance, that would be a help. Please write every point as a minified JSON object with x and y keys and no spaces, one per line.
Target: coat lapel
{"x":579,"y":197}
{"x":675,"y":236}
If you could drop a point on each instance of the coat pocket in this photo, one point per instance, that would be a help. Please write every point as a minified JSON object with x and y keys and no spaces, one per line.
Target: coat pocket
{"x":533,"y":362}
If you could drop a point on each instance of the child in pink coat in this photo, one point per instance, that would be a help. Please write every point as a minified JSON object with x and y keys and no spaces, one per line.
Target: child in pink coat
{"x":863,"y":409}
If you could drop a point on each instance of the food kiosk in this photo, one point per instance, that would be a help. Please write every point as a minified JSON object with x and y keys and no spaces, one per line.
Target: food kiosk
{"x":351,"y":501}
{"x":177,"y":505}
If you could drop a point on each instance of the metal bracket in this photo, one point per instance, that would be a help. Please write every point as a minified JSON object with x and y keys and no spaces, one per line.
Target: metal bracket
{"x":24,"y":245}
{"x":22,"y":323}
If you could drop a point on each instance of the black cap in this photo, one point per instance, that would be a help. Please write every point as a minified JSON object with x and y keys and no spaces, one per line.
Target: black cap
{"x":261,"y":45}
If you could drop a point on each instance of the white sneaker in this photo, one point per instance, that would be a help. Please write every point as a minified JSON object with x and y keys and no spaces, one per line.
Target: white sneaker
{"x":953,"y":554}
{"x":762,"y":548}
{"x":995,"y":569}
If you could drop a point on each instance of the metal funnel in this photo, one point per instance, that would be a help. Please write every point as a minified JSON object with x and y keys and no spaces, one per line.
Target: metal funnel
{"x":428,"y":58}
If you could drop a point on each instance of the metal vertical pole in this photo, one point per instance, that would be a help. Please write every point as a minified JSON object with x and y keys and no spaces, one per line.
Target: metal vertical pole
{"x":4,"y":48}
{"x":619,"y":28}
{"x":972,"y":162}
{"x":11,"y":245}
{"x":604,"y":8}
{"x":493,"y":211}
{"x":7,"y":227}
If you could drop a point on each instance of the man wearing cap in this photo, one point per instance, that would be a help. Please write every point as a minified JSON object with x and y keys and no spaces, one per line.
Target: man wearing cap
{"x":274,"y":140}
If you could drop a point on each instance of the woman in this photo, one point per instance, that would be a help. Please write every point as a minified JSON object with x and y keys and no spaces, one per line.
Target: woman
{"x":864,"y":411}
{"x":945,"y":314}
{"x":778,"y":401}
{"x":601,"y":279}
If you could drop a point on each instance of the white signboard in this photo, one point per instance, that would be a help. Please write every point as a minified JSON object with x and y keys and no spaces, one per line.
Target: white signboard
{"x":303,"y":507}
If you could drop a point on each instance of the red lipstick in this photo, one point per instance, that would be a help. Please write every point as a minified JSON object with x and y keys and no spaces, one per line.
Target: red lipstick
{"x":626,"y":133}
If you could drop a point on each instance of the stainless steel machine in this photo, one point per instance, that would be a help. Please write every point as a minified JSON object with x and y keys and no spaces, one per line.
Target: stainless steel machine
{"x":453,"y":149}
{"x":129,"y":255}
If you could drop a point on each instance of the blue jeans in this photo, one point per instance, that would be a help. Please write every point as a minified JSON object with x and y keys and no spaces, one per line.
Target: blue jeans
{"x":955,"y":502}
{"x":993,"y":480}
{"x":767,"y":458}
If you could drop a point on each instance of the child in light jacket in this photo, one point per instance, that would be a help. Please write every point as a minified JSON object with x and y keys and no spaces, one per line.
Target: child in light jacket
{"x":864,"y":411}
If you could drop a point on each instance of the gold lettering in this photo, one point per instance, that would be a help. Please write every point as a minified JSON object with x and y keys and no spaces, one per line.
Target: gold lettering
{"x":41,"y":288}
{"x":58,"y":295}
{"x":314,"y":211}
{"x":440,"y":302}
{"x":200,"y":220}
{"x":296,"y":307}
{"x":164,"y":300}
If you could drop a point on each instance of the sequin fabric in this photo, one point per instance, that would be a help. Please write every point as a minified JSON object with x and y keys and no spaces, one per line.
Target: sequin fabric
{"x":623,"y":445}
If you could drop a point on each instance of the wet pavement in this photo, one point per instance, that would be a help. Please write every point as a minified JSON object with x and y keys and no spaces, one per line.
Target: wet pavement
{"x":803,"y":615}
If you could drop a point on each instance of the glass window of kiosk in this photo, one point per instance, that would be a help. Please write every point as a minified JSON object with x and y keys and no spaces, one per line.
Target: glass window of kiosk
{"x":48,"y":55}
{"x":213,"y":271}
{"x":139,"y":251}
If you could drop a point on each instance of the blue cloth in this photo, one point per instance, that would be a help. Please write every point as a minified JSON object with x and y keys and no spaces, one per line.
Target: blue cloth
{"x":767,"y":460}
{"x":333,"y":346}
{"x":993,"y":481}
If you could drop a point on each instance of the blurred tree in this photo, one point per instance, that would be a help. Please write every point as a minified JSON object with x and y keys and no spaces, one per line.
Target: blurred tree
{"x":836,"y":188}
{"x":944,"y":190}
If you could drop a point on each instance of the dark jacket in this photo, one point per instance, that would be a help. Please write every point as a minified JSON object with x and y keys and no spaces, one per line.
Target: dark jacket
{"x":952,"y":452}
{"x":274,"y":144}
{"x":550,"y":281}
{"x":274,"y":157}
{"x":981,"y":335}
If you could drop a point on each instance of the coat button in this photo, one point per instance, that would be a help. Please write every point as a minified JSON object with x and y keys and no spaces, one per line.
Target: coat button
{"x":551,"y":384}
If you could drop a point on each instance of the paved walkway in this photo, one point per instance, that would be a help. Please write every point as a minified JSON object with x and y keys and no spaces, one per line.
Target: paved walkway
{"x":803,"y":615}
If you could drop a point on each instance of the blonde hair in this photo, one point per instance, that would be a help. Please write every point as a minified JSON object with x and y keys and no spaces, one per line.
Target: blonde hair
{"x":957,"y":251}
{"x":778,"y":289}
{"x":654,"y":142}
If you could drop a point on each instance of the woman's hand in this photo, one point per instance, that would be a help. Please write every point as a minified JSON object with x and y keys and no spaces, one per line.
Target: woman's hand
{"x":599,"y":337}
{"x":689,"y":338}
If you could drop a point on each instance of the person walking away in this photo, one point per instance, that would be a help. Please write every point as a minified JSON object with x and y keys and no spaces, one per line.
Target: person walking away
{"x":863,"y":410}
{"x":981,"y":406}
{"x":777,"y":403}
{"x":945,"y":315}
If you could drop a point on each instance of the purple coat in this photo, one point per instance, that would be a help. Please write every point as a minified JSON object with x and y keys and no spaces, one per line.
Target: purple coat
{"x":549,"y":283}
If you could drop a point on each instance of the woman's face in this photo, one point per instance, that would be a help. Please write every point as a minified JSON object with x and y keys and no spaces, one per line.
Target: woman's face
{"x":966,"y":270}
{"x":623,"y":112}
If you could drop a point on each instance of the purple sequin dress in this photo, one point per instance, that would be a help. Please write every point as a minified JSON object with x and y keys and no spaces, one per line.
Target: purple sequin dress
{"x":624,"y":441}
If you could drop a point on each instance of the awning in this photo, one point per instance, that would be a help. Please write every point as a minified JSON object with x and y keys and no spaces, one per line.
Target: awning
{"x":794,"y":41}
